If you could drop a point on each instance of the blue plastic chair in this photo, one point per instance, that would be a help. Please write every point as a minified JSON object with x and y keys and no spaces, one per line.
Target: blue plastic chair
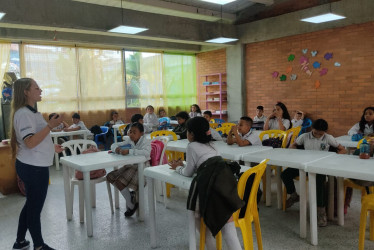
{"x":306,"y":124}
{"x":104,"y":130}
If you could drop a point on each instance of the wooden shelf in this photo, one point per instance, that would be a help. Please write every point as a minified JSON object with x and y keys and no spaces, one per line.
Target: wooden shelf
{"x":216,"y":93}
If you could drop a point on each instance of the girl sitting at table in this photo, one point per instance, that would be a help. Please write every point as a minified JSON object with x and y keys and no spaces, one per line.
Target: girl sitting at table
{"x":279,"y":119}
{"x":126,"y":178}
{"x":195,"y":111}
{"x":319,"y":140}
{"x":365,"y":125}
{"x":181,"y":129}
{"x":199,"y":151}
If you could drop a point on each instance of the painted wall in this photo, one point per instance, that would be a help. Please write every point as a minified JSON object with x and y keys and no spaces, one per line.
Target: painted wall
{"x":344,"y":91}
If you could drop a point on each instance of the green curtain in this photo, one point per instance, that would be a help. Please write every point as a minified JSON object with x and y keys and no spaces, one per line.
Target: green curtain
{"x":179,"y":82}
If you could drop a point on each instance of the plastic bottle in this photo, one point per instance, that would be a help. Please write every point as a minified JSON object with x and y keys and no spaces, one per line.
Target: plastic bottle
{"x":364,"y":150}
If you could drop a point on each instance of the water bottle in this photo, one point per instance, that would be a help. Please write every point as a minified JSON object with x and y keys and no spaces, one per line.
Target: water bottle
{"x":364,"y":150}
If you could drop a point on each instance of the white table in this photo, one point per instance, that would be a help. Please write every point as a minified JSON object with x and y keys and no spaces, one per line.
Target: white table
{"x":55,"y":136}
{"x":293,"y":158}
{"x":231,"y":152}
{"x":348,"y":166}
{"x":165,"y":174}
{"x":88,"y":162}
{"x":346,"y":141}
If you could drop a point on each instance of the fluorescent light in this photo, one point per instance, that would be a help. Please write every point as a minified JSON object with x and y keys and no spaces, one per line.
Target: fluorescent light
{"x":2,"y":14}
{"x":127,"y":29}
{"x":323,"y":18}
{"x":222,"y":2}
{"x":222,"y":40}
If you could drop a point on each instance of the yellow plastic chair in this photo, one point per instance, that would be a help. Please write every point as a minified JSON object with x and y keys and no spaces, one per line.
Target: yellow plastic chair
{"x":367,"y":205}
{"x":224,"y":130}
{"x":251,"y":213}
{"x":291,"y":136}
{"x":172,"y":155}
{"x":266,"y":135}
{"x":121,"y":129}
{"x":213,"y":125}
{"x":202,"y":236}
{"x":228,"y":125}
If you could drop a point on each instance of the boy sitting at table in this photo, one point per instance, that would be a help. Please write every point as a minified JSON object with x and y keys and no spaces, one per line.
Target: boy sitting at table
{"x":319,"y":140}
{"x":215,"y":135}
{"x":77,"y":125}
{"x":242,"y":134}
{"x":60,"y":127}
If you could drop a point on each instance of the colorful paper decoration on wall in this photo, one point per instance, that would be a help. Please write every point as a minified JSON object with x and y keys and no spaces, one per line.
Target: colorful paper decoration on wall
{"x":323,"y":72}
{"x":317,"y":84}
{"x":314,"y":53}
{"x":283,"y":78}
{"x":328,"y":56}
{"x":289,"y":69}
{"x":316,"y":65}
{"x":275,"y":74}
{"x":293,"y":77}
{"x":291,"y":57}
{"x":304,"y":61}
{"x":305,"y":51}
{"x":337,"y":64}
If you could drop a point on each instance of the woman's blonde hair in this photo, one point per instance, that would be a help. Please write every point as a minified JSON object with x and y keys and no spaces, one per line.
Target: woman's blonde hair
{"x":19,"y":100}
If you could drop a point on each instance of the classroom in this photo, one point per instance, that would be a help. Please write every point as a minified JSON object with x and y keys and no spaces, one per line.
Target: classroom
{"x":126,"y":99}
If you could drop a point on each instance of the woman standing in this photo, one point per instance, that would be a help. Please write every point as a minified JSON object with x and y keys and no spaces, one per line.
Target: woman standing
{"x":34,"y":150}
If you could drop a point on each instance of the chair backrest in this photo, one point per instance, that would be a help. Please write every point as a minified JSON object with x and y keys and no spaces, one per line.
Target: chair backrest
{"x":77,"y":145}
{"x":252,"y":201}
{"x":359,"y":143}
{"x":157,"y":156}
{"x":224,"y":130}
{"x":121,"y":129}
{"x":217,"y":120}
{"x":164,"y":133}
{"x":291,"y":136}
{"x":213,"y":125}
{"x":228,"y":124}
{"x":272,"y":134}
{"x":306,"y":124}
{"x":104,"y":129}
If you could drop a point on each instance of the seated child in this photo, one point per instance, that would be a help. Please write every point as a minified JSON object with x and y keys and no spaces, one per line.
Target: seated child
{"x":150,"y":118}
{"x":60,"y":127}
{"x":195,"y":111}
{"x":181,"y":128}
{"x":298,"y":119}
{"x":215,"y":135}
{"x":77,"y":124}
{"x":114,"y":119}
{"x":242,"y":134}
{"x":126,"y":178}
{"x":259,"y":115}
{"x":136,"y":118}
{"x":163,"y":120}
{"x":365,"y":125}
{"x":319,"y":140}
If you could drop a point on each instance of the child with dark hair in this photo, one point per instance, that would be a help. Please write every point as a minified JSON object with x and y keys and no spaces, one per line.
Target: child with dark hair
{"x":279,"y":119}
{"x":126,"y":178}
{"x":60,"y":127}
{"x":365,"y":126}
{"x":259,"y":114}
{"x":137,"y":118}
{"x":199,"y":151}
{"x":195,"y":111}
{"x":242,"y":134}
{"x":114,"y":119}
{"x":215,"y":135}
{"x":319,"y":140}
{"x":181,"y":128}
{"x":150,"y":118}
{"x":298,"y":119}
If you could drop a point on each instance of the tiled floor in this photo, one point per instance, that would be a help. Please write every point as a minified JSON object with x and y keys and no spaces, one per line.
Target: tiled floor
{"x":280,"y":230}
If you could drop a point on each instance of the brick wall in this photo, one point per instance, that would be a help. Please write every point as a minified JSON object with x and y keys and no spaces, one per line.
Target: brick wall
{"x":210,"y":63}
{"x":344,"y":91}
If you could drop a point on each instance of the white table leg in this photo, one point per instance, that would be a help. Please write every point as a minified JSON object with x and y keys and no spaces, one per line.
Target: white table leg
{"x":69,"y":211}
{"x":340,"y":201}
{"x":330,"y":212}
{"x":279,"y":187}
{"x":115,"y":135}
{"x":303,"y":223}
{"x":87,"y":202}
{"x":141,"y":190}
{"x":57,"y":162}
{"x":116,"y":194}
{"x":268,"y":186}
{"x":313,"y":209}
{"x":192,"y":234}
{"x":85,"y":136}
{"x":152,"y":212}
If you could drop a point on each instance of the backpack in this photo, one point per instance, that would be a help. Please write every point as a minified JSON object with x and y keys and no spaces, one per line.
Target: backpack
{"x":273,"y":142}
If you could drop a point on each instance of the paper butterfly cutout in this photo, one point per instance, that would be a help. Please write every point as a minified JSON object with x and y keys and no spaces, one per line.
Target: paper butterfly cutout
{"x":314,"y":53}
{"x":317,"y":84}
{"x":275,"y":74}
{"x":293,"y":77}
{"x":316,"y":65}
{"x":328,"y":56}
{"x":337,"y":64}
{"x":283,"y":78}
{"x":304,"y":51}
{"x":289,"y":69}
{"x":323,"y":72}
{"x":291,"y":57}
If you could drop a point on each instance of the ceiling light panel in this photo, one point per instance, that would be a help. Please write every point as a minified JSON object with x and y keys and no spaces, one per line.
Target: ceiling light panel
{"x":323,"y":18}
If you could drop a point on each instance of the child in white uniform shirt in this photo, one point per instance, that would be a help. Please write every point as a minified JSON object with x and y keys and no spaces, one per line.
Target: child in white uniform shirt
{"x":298,"y":119}
{"x":198,"y":151}
{"x":77,"y":123}
{"x":215,"y":135}
{"x":195,"y":111}
{"x":150,"y":118}
{"x":242,"y":134}
{"x":279,"y":119}
{"x":365,"y":126}
{"x":317,"y":139}
{"x":126,"y":178}
{"x":260,"y":115}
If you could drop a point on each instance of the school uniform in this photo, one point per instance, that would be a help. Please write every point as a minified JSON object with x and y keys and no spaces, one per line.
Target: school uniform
{"x":181,"y":130}
{"x":215,"y":135}
{"x":252,"y":138}
{"x":274,"y":124}
{"x":297,"y":123}
{"x":194,"y":114}
{"x":259,"y":119}
{"x":310,"y":143}
{"x":128,"y":174}
{"x":150,"y":120}
{"x":356,"y":129}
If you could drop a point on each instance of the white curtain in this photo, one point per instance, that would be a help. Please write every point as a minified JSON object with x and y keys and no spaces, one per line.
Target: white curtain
{"x":4,"y":58}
